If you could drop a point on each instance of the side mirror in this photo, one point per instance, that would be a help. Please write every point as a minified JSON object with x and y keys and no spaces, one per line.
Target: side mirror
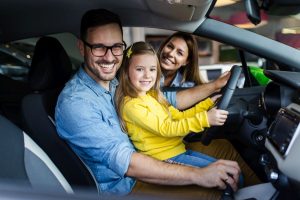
{"x":253,"y":11}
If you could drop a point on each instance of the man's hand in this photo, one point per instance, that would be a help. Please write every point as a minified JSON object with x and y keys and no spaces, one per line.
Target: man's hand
{"x":218,"y":174}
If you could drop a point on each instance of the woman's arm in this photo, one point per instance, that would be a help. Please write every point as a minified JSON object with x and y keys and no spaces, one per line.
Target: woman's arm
{"x":189,"y":97}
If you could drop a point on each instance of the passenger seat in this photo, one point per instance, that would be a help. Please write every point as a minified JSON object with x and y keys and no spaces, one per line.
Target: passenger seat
{"x":51,"y":69}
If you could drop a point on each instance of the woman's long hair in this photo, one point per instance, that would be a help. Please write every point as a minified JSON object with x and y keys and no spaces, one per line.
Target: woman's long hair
{"x":126,"y":88}
{"x":190,"y":72}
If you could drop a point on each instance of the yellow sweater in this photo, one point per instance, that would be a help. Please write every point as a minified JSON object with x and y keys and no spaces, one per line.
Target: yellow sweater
{"x":156,"y":132}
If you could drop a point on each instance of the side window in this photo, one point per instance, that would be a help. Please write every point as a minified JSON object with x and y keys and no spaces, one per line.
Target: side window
{"x":16,"y":56}
{"x":11,"y":65}
{"x":6,"y":59}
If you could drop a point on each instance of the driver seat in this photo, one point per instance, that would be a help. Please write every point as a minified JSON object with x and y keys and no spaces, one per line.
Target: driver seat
{"x":51,"y":69}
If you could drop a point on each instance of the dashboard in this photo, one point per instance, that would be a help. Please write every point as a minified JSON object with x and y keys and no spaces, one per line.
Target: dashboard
{"x":280,"y":100}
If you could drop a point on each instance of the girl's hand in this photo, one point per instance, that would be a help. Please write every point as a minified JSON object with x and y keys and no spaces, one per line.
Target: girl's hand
{"x":215,"y":97}
{"x":216,"y":117}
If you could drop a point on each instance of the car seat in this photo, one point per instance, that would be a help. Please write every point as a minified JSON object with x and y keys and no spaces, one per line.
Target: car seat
{"x":50,"y":70}
{"x":11,"y":94}
{"x":23,"y":162}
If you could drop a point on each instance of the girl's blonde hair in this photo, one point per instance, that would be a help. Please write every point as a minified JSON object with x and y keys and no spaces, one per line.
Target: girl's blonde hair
{"x":191,"y":71}
{"x":126,"y":88}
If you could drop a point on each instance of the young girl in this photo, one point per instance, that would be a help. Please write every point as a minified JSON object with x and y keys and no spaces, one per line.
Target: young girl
{"x":155,"y":127}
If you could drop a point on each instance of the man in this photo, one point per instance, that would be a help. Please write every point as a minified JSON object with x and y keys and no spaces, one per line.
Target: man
{"x":87,"y":120}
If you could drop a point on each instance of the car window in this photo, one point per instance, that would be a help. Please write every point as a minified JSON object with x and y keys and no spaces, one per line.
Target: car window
{"x":16,"y":56}
{"x":9,"y":60}
{"x":278,"y":25}
{"x":13,"y":63}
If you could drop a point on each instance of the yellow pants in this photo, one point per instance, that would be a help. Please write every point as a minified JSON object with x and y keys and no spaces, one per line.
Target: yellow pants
{"x":220,"y":149}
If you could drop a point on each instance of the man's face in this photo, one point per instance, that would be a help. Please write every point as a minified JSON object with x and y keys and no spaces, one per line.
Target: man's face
{"x":102,"y":69}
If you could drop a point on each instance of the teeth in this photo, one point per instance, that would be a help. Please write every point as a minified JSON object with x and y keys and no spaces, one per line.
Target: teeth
{"x":145,"y":82}
{"x":168,"y":61}
{"x":107,"y":66}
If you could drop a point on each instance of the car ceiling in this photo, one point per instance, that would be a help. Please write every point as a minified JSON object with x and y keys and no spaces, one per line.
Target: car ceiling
{"x":21,"y":19}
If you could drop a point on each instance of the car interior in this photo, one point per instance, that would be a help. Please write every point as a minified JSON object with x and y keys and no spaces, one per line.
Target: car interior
{"x":263,"y":122}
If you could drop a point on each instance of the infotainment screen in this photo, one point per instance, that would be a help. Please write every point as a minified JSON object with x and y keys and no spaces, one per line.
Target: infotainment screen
{"x":284,"y":130}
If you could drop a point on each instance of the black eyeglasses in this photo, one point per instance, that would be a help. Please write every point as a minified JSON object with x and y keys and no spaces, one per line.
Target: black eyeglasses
{"x":100,"y":50}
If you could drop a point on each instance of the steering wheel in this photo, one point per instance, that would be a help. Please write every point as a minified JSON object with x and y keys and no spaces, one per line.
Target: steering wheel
{"x":227,"y":93}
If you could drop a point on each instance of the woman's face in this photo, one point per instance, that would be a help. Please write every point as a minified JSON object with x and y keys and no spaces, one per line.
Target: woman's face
{"x":174,"y":54}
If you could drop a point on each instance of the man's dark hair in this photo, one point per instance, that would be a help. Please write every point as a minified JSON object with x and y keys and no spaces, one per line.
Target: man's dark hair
{"x":98,"y":17}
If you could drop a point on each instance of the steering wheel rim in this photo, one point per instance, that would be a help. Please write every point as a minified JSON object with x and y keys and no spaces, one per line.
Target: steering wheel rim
{"x":227,"y":93}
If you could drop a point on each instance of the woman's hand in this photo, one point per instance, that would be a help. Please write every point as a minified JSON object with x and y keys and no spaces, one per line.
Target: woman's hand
{"x":220,"y":82}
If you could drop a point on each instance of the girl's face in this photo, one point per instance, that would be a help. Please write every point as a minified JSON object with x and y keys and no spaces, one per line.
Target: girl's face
{"x":174,"y":54}
{"x":143,"y":72}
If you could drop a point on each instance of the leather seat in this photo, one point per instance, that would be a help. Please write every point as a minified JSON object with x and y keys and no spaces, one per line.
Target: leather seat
{"x":23,"y":162}
{"x":51,"y":68}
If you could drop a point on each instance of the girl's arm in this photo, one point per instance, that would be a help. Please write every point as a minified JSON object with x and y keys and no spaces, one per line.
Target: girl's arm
{"x":156,"y":120}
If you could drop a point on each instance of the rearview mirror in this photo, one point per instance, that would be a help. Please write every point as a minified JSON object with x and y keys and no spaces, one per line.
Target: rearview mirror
{"x":253,"y":11}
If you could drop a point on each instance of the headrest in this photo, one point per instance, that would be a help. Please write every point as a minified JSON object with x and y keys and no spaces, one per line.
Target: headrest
{"x":51,"y":66}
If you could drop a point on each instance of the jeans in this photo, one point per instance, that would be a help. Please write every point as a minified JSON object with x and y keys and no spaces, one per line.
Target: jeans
{"x":193,"y":158}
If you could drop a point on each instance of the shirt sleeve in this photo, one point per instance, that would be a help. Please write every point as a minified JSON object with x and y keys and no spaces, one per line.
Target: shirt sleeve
{"x":135,"y":112}
{"x":170,"y":96}
{"x":97,"y":137}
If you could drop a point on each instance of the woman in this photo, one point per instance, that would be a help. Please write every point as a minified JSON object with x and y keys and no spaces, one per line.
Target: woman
{"x":178,"y":56}
{"x":179,"y":61}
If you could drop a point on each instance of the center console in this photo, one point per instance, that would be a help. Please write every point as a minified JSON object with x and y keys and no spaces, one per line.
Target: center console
{"x":283,"y":141}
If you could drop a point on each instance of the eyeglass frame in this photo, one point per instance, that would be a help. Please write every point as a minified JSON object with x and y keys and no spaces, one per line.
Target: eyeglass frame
{"x":91,"y":46}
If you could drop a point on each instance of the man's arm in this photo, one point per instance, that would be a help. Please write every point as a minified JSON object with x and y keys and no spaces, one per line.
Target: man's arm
{"x":189,"y":97}
{"x":150,"y":170}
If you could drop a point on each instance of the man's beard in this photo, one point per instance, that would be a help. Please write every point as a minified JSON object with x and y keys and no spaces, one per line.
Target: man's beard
{"x":96,"y":71}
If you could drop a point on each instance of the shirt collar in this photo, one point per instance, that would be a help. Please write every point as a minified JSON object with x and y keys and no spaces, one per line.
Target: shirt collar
{"x":91,"y":83}
{"x":176,"y":81}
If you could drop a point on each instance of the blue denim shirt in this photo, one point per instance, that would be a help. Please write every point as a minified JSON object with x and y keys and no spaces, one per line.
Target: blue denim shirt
{"x":86,"y":118}
{"x":177,"y":84}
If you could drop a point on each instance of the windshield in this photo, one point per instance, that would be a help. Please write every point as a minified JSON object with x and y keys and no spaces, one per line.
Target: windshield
{"x":275,"y":25}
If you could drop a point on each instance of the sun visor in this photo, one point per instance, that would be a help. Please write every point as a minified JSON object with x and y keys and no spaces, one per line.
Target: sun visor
{"x":183,"y":10}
